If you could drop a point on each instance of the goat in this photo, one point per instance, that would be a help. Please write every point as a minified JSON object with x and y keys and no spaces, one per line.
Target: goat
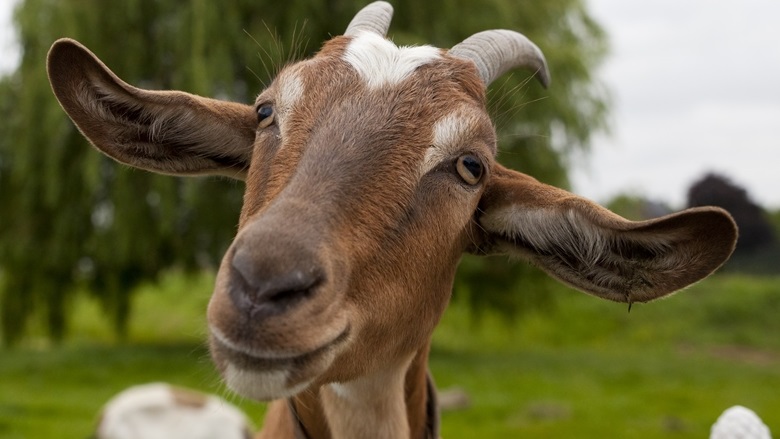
{"x":162,"y":411}
{"x":370,"y":169}
{"x":739,"y":422}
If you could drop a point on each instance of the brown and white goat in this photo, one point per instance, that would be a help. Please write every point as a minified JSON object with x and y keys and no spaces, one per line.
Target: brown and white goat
{"x":369,"y":170}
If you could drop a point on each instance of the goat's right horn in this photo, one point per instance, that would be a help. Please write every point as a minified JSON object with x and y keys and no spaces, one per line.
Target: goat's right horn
{"x":373,"y":18}
{"x":496,"y":51}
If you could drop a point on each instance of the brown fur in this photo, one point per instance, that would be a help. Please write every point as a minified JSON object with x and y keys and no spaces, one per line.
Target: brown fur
{"x":188,"y":398}
{"x":333,"y":195}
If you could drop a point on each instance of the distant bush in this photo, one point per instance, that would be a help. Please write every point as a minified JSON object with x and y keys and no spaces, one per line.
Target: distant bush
{"x":757,"y":248}
{"x":715,"y":190}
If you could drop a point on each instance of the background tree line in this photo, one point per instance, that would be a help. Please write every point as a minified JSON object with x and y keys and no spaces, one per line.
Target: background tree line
{"x":758,"y":247}
{"x":73,"y":222}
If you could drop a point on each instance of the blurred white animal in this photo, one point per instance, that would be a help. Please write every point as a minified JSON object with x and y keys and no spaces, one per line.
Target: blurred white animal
{"x":739,"y":423}
{"x":162,"y":411}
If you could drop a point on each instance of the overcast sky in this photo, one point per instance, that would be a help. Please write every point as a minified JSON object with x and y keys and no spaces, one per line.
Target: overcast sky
{"x":697,"y":89}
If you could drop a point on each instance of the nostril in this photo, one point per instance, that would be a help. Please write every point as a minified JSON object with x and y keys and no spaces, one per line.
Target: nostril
{"x":294,"y":284}
{"x":270,"y":285}
{"x":286,"y":290}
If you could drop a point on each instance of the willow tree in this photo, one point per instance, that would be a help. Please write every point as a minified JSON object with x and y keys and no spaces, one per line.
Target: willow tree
{"x":74,"y":221}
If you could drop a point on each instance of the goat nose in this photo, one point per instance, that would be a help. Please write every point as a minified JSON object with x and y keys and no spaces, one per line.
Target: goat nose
{"x":271,"y":286}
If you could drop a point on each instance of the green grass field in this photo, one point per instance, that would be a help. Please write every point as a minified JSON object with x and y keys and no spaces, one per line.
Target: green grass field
{"x":584,"y":369}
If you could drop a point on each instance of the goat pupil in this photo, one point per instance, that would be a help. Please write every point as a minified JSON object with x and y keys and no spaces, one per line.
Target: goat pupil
{"x":473,"y":166}
{"x":264,"y":112}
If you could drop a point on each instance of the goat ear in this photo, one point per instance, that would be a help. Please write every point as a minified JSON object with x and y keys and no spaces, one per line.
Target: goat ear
{"x":169,"y":132}
{"x":596,"y":251}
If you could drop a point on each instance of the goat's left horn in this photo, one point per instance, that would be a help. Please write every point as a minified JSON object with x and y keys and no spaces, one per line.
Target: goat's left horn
{"x":496,"y":51}
{"x":374,"y":18}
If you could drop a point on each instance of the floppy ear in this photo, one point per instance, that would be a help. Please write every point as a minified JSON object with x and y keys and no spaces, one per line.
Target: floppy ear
{"x":168,"y":132}
{"x":596,"y":251}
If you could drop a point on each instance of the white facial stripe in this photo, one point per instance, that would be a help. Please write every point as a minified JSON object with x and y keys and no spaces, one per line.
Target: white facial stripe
{"x":450,"y":130}
{"x":290,"y":91}
{"x":448,"y":135}
{"x":380,"y":62}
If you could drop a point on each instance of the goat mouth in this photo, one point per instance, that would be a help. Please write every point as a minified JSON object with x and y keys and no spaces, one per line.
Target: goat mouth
{"x":247,"y":358}
{"x":264,"y":378}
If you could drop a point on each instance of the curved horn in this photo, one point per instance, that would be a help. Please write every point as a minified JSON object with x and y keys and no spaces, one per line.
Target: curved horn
{"x":374,"y":18}
{"x":496,"y":51}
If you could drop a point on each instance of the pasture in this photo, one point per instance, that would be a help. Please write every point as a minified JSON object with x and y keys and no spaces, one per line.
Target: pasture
{"x":584,"y":368}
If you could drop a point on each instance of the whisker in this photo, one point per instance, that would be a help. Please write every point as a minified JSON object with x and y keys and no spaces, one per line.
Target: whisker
{"x":495,"y":107}
{"x":298,"y":44}
{"x":257,"y":76}
{"x":260,"y":56}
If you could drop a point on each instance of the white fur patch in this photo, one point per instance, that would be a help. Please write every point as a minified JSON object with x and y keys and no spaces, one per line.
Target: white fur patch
{"x":450,"y":129}
{"x":380,"y":62}
{"x":341,"y":390}
{"x":546,"y":229}
{"x":290,"y":91}
{"x":592,"y":257}
{"x":448,"y":133}
{"x":151,"y":411}
{"x":377,"y":397}
{"x":261,"y":386}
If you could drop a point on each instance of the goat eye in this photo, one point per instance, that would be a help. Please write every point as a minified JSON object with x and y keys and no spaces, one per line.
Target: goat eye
{"x":265,"y":115}
{"x":469,"y":168}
